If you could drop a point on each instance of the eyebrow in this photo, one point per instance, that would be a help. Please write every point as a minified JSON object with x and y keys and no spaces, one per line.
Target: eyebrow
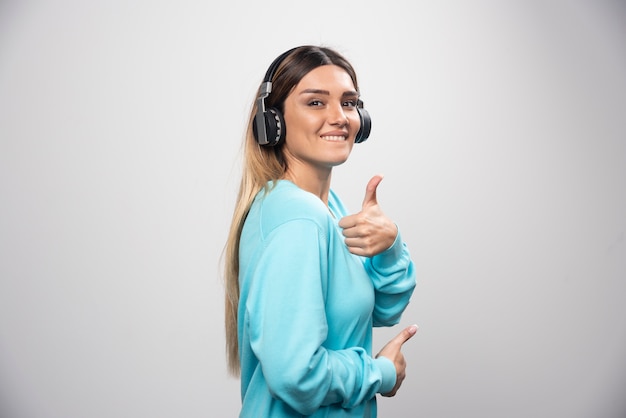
{"x":327,"y":93}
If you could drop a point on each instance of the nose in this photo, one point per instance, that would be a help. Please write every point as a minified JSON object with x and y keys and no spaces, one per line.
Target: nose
{"x":337,"y":115}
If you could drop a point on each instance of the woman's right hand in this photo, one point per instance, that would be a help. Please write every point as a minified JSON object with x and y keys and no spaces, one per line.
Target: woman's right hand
{"x":393,"y":351}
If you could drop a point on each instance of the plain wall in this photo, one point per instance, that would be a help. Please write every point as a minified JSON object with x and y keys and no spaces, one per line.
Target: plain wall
{"x":500,"y":127}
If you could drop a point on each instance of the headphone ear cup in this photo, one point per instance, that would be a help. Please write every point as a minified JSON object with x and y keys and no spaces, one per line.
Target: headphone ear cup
{"x":366,"y":126}
{"x":275,"y":124}
{"x":274,"y":128}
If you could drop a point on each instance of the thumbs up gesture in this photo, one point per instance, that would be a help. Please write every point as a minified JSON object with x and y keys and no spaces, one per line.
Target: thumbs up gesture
{"x":369,"y":232}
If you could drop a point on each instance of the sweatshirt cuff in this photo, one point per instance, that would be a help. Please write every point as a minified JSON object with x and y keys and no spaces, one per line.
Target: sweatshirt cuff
{"x":388,"y":373}
{"x":391,"y":255}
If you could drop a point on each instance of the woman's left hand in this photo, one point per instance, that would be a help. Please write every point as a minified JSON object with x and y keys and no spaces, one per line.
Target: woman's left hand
{"x":370,"y":231}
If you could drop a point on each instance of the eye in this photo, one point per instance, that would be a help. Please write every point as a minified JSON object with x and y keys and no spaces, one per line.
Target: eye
{"x":349,"y":103}
{"x":315,"y":103}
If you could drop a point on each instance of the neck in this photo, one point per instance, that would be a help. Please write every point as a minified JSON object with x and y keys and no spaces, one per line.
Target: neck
{"x":314,"y":182}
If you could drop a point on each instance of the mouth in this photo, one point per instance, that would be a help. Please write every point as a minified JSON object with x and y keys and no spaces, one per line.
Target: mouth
{"x":334,"y":138}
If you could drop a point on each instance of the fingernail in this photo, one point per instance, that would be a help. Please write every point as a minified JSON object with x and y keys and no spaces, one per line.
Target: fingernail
{"x":413,"y":329}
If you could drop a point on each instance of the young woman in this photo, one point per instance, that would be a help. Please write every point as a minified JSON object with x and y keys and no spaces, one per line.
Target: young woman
{"x":305,"y":280}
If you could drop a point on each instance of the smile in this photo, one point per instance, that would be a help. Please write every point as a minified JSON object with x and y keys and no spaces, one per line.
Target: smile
{"x":334,"y":137}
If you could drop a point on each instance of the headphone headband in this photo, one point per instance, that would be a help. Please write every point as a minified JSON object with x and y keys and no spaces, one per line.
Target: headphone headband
{"x":274,"y":65}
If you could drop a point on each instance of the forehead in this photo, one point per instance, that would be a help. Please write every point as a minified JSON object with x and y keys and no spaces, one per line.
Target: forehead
{"x":327,"y":77}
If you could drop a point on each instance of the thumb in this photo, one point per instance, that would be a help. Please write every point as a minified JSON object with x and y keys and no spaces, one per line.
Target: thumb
{"x":406,"y":334}
{"x":370,"y":191}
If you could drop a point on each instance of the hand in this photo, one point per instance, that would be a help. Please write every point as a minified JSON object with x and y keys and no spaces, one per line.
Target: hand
{"x":369,"y":232}
{"x":393,"y":353}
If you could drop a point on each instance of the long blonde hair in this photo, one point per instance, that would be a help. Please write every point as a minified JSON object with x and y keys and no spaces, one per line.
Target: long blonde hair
{"x":262,"y":164}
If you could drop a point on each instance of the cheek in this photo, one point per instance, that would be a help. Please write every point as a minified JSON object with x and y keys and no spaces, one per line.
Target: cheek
{"x":294,"y":120}
{"x":355,"y":122}
{"x":303,"y":124}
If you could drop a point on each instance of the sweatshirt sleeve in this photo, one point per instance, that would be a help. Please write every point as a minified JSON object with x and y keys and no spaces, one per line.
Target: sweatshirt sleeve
{"x":287,"y":327}
{"x":393,"y":275}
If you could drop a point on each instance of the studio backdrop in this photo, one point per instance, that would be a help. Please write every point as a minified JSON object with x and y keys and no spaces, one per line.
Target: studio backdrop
{"x":499,"y":128}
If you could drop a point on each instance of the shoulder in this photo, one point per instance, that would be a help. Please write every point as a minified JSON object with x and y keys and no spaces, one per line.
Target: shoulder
{"x":284,"y":202}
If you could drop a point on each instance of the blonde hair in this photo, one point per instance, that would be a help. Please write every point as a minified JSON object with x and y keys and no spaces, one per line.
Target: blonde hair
{"x":260,"y":166}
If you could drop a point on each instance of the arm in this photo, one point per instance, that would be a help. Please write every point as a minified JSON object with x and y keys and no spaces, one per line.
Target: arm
{"x":370,"y":233}
{"x":393,"y":275}
{"x":287,"y":327}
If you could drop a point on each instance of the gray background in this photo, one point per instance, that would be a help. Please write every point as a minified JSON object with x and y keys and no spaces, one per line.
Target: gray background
{"x":499,"y":127}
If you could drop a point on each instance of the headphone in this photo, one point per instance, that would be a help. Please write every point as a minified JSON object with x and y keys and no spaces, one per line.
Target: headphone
{"x":269,"y":124}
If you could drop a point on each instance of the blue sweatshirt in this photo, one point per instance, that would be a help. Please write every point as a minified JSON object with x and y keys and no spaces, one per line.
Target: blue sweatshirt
{"x":307,"y":307}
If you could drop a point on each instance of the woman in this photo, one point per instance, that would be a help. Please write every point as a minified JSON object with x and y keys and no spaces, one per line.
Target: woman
{"x":306,"y":281}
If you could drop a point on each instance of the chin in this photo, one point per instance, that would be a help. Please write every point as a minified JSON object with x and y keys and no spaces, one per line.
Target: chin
{"x":339,"y":161}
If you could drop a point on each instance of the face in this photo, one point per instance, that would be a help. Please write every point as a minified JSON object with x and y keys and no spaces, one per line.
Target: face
{"x":322,"y":119}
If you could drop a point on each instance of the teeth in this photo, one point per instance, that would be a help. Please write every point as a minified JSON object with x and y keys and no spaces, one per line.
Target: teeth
{"x":334,"y":138}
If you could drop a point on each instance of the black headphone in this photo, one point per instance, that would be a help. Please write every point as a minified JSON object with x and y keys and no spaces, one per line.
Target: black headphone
{"x":269,"y":124}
